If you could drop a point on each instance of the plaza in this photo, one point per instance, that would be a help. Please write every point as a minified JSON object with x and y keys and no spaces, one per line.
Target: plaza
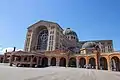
{"x":55,"y":73}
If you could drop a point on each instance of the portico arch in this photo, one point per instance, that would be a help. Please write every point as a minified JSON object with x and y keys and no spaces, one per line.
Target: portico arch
{"x":72,"y":62}
{"x":53,"y":61}
{"x":103,"y":63}
{"x":39,"y":60}
{"x":1,"y":60}
{"x":18,"y":58}
{"x":62,"y":62}
{"x":82,"y":62}
{"x":45,"y":62}
{"x":92,"y":63}
{"x":115,"y":63}
{"x":35,"y":59}
{"x":25,"y":59}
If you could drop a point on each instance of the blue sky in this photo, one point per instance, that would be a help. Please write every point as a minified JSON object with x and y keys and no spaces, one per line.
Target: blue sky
{"x":91,"y":19}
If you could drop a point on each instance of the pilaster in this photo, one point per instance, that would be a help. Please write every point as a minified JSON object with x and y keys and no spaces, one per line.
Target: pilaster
{"x":108,"y":62}
{"x":37,"y":61}
{"x":49,"y":61}
{"x":87,"y":61}
{"x":67,"y":61}
{"x":4,"y":59}
{"x":11,"y":59}
{"x":77,"y":62}
{"x":31,"y":61}
{"x":57,"y":61}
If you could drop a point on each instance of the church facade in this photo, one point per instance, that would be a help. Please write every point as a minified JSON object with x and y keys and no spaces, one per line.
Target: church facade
{"x":47,"y":44}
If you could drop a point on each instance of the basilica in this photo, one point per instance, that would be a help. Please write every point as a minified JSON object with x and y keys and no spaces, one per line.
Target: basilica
{"x":48,"y":44}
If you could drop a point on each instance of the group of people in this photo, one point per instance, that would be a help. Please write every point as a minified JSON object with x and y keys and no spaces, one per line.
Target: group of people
{"x":89,"y":66}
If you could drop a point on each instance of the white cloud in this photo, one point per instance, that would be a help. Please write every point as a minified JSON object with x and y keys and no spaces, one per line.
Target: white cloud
{"x":0,"y":48}
{"x":9,"y":49}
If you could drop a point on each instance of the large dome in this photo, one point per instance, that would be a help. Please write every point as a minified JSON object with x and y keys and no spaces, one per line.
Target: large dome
{"x":89,"y":45}
{"x":68,"y":31}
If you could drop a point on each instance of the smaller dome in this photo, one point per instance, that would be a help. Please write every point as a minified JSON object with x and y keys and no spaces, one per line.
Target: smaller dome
{"x":68,"y":31}
{"x":89,"y":45}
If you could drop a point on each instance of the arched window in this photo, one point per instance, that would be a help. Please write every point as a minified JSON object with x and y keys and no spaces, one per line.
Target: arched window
{"x":42,"y":40}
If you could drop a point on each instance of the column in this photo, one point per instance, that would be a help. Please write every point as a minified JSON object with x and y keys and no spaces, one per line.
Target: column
{"x":96,"y":61}
{"x":108,"y":62}
{"x":37,"y":60}
{"x":0,"y":60}
{"x":15,"y":59}
{"x":97,"y":57}
{"x":96,"y":64}
{"x":28,"y":60}
{"x":87,"y":61}
{"x":57,"y":61}
{"x":31,"y":61}
{"x":11,"y":59}
{"x":40,"y":61}
{"x":119,"y":63}
{"x":49,"y":61}
{"x":67,"y":61}
{"x":4,"y":59}
{"x":77,"y":62}
{"x":22,"y":58}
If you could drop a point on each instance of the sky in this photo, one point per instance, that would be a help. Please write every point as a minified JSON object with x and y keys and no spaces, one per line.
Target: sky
{"x":90,"y":19}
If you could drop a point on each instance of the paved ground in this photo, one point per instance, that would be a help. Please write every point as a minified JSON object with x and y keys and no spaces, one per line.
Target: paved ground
{"x":55,"y":73}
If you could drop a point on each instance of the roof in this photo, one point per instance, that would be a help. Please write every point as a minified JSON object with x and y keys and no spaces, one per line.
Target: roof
{"x":68,"y":31}
{"x":89,"y":45}
{"x":44,"y":21}
{"x":95,"y":40}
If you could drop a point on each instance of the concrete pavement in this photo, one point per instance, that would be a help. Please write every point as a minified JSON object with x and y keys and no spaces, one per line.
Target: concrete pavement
{"x":55,"y":73}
